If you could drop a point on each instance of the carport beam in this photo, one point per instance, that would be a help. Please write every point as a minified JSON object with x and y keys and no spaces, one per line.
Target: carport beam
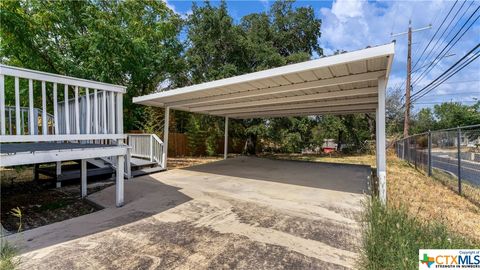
{"x":165,"y":137}
{"x":381,"y":151}
{"x":225,"y":146}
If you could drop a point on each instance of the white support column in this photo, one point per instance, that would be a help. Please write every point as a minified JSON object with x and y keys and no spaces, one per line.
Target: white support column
{"x":225,"y":147}
{"x":83,"y":175}
{"x":119,"y":185}
{"x":381,"y":150}
{"x":165,"y":138}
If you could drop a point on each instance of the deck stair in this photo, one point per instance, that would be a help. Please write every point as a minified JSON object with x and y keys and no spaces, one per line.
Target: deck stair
{"x":97,"y":169}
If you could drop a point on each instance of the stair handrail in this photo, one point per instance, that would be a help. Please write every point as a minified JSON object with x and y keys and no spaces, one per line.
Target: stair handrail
{"x":144,"y":145}
{"x":157,"y":149}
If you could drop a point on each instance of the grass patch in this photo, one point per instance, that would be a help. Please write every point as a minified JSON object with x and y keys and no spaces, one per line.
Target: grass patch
{"x":392,"y":238}
{"x":7,"y":256}
{"x":469,"y":191}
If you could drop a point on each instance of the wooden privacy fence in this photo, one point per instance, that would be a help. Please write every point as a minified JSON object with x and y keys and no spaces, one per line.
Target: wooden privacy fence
{"x":178,"y":145}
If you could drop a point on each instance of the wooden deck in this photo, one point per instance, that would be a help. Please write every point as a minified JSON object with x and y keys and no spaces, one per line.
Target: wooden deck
{"x":13,"y":148}
{"x":13,"y":154}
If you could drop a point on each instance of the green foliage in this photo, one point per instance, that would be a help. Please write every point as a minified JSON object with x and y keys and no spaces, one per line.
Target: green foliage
{"x":219,"y":48}
{"x":152,"y":120}
{"x":7,"y":256}
{"x":392,"y":238}
{"x":132,"y":43}
{"x":452,"y":114}
{"x":17,"y":212}
{"x":446,"y":115}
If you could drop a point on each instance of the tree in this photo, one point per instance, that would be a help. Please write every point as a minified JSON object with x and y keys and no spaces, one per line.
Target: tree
{"x":219,"y":48}
{"x":394,"y":111}
{"x":423,"y":121}
{"x":453,"y":114}
{"x":132,"y":43}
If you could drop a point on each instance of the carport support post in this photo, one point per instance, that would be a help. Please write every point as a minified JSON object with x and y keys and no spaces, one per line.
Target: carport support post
{"x":381,"y":151}
{"x":119,"y":188}
{"x":165,"y":137}
{"x":225,"y":147}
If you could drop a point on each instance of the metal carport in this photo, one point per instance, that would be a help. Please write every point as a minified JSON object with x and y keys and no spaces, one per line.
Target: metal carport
{"x":353,"y":82}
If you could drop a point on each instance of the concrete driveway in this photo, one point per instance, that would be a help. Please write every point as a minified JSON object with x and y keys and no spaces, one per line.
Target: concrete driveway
{"x":244,"y":213}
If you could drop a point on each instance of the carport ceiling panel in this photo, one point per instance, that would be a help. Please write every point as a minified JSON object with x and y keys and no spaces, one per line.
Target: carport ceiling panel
{"x":304,"y":114}
{"x":285,"y":84}
{"x":303,"y":88}
{"x":296,"y":105}
{"x":298,"y":98}
{"x":309,"y":111}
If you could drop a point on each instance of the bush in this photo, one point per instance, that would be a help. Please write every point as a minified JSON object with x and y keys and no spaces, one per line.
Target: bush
{"x":391,"y":238}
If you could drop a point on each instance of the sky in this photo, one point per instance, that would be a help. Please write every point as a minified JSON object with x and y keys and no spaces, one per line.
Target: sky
{"x":352,"y":24}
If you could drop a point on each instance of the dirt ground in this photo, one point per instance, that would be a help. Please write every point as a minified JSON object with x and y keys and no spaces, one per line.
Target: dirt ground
{"x":41,"y":203}
{"x":243,"y":213}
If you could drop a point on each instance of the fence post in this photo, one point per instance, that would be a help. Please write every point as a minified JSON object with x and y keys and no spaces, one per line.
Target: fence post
{"x":459,"y":158}
{"x":415,"y":151}
{"x":429,"y":153}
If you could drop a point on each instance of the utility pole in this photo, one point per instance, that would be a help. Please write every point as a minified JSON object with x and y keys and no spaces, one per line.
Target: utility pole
{"x":408,"y":84}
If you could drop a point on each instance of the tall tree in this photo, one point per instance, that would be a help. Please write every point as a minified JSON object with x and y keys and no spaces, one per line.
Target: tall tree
{"x":132,"y":43}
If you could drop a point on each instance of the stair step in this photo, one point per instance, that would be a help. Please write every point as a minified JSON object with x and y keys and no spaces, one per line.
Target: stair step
{"x":98,"y":162}
{"x":72,"y":171}
{"x":146,"y":171}
{"x":138,"y":163}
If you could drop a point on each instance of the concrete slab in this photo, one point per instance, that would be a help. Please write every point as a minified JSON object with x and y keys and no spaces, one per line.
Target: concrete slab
{"x":247,"y":213}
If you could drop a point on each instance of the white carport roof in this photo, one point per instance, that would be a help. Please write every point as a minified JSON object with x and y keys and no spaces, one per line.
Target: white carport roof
{"x":338,"y":84}
{"x":351,"y":82}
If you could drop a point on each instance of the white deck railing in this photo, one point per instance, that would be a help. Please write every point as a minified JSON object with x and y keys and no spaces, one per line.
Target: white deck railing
{"x":147,"y":146}
{"x":24,"y":121}
{"x":78,"y":118}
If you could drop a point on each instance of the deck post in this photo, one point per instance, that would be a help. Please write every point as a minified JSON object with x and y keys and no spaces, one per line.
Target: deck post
{"x":381,"y":151}
{"x":165,"y":138}
{"x":36,"y":173}
{"x":119,"y":187}
{"x":58,"y":172}
{"x":83,"y":175}
{"x":225,"y":147}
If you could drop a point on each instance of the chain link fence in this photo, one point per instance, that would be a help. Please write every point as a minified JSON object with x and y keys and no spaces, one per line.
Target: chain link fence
{"x":449,"y":155}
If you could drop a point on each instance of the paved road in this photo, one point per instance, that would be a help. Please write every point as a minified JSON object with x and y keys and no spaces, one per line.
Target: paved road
{"x":470,"y":170}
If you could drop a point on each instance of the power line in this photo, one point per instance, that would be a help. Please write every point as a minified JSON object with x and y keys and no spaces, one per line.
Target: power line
{"x":449,"y":45}
{"x":454,"y":69}
{"x":464,"y":65}
{"x":451,"y":69}
{"x":440,"y":102}
{"x":433,"y":37}
{"x":440,"y":79}
{"x":424,"y":41}
{"x":435,"y":34}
